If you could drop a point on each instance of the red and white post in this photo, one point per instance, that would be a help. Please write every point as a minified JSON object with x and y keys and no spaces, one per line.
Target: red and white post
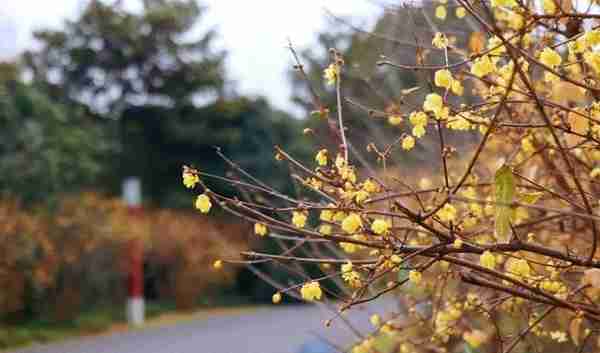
{"x":132,"y":194}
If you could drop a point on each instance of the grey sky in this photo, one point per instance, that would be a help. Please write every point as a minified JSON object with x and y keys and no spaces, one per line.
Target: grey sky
{"x":254,"y":33}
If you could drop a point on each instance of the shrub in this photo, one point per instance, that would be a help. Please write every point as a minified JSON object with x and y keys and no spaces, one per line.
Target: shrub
{"x":496,"y":247}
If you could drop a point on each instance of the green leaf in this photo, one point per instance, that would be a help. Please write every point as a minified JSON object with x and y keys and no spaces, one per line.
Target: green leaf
{"x":504,"y":193}
{"x":530,"y":198}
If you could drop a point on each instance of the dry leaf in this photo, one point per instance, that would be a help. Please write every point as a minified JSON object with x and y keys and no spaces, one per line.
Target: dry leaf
{"x":592,"y":277}
{"x":477,"y":42}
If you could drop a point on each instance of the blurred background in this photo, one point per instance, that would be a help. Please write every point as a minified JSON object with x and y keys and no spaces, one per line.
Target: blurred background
{"x":95,"y":92}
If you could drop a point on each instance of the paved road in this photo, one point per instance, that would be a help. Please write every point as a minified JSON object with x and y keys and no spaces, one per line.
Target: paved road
{"x":282,"y":329}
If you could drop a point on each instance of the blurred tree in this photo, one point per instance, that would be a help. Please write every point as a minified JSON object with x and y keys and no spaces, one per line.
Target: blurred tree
{"x":45,"y":148}
{"x":161,"y":140}
{"x":165,"y":87}
{"x":400,"y":35}
{"x":110,"y":58}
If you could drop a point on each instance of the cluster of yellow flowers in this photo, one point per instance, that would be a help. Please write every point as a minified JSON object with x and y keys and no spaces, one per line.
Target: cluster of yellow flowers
{"x":311,"y":291}
{"x":350,"y":276}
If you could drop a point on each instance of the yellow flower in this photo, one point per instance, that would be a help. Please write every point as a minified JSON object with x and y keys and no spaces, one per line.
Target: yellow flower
{"x":595,"y":172}
{"x":321,"y":157}
{"x":276,"y":298}
{"x":350,"y":248}
{"x":380,"y":226}
{"x":326,"y":215}
{"x":395,"y":120}
{"x":325,"y":229}
{"x":505,"y":3}
{"x":593,"y":60}
{"x":408,"y":143}
{"x":550,"y":58}
{"x":260,"y":229}
{"x":549,"y":7}
{"x":370,"y":186}
{"x":459,"y":123}
{"x":460,"y":12}
{"x":331,"y":74}
{"x":447,"y":213}
{"x":311,"y":291}
{"x":360,"y":196}
{"x":519,"y":267}
{"x":415,"y":277}
{"x":440,"y":41}
{"x":488,"y":260}
{"x":433,"y":103}
{"x":375,"y":320}
{"x":440,"y":12}
{"x":218,"y":264}
{"x":443,"y":78}
{"x":457,"y":88}
{"x":482,"y":66}
{"x":203,"y":203}
{"x":474,"y":338}
{"x":418,"y":118}
{"x":457,"y":243}
{"x":351,"y":223}
{"x":418,"y":131}
{"x":190,"y":179}
{"x":299,"y":218}
{"x":349,"y":275}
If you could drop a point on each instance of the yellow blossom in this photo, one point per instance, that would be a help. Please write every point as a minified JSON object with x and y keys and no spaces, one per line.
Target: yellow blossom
{"x":488,"y":260}
{"x":190,"y":179}
{"x":326,"y":215}
{"x":260,"y":229}
{"x":440,"y":41}
{"x":408,"y":143}
{"x":418,"y":131}
{"x":350,"y":276}
{"x":593,"y":60}
{"x":380,"y":226}
{"x":203,"y":203}
{"x":474,"y":338}
{"x":482,"y":66}
{"x":440,"y":12}
{"x":549,"y":7}
{"x":351,"y":223}
{"x":558,"y":336}
{"x":321,"y":157}
{"x":433,"y":103}
{"x":550,"y":58}
{"x":518,"y":267}
{"x":350,"y":248}
{"x":418,"y":118}
{"x":443,"y":78}
{"x":415,"y":276}
{"x":447,"y":213}
{"x":595,"y":172}
{"x":460,"y":12}
{"x":360,"y":196}
{"x":311,"y":291}
{"x":457,"y":243}
{"x":331,"y":73}
{"x":457,"y":88}
{"x":370,"y":186}
{"x":218,"y":264}
{"x":375,"y":320}
{"x":459,"y":123}
{"x":395,"y":119}
{"x":276,"y":298}
{"x":299,"y":218}
{"x":325,"y":229}
{"x":504,"y":3}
